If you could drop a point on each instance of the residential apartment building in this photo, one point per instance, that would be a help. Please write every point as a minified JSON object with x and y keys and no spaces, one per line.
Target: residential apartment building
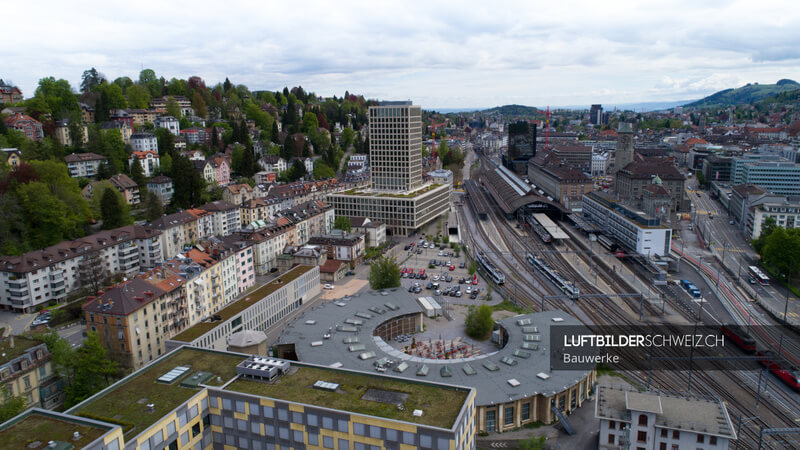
{"x":268,"y":243}
{"x":9,"y":94}
{"x":41,"y":276}
{"x":237,"y":193}
{"x":84,"y":165}
{"x":144,"y":142}
{"x":170,"y":123}
{"x":11,"y":156}
{"x":127,"y":187}
{"x":162,"y":187}
{"x":197,"y":135}
{"x":259,"y":209}
{"x":658,"y":421}
{"x":184,"y":104}
{"x":205,"y":222}
{"x":311,"y":218}
{"x":148,"y":159}
{"x":177,"y":231}
{"x":62,"y":133}
{"x":374,"y":232}
{"x":273,"y":164}
{"x":225,"y":215}
{"x":143,"y":116}
{"x":27,"y":371}
{"x":255,"y":403}
{"x":207,"y":169}
{"x":630,"y":227}
{"x":125,"y":130}
{"x":342,"y":246}
{"x":25,"y":124}
{"x":259,"y":310}
{"x":222,"y":168}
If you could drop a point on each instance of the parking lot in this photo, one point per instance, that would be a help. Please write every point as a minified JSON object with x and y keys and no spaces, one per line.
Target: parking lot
{"x":437,"y":271}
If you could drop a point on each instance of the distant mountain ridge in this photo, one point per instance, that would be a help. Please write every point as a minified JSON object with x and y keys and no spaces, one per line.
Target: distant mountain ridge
{"x":751,"y":92}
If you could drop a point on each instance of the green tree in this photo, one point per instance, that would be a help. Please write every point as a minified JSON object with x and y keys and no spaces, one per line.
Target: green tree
{"x":10,"y":405}
{"x":384,"y":273}
{"x":248,"y":162}
{"x":237,"y":155}
{"x":153,"y":207}
{"x":323,"y":171}
{"x":58,"y":96}
{"x":472,"y":268}
{"x":166,"y":141}
{"x":479,"y":321}
{"x":767,"y":227}
{"x":275,"y":136}
{"x":172,"y":108}
{"x":199,"y":105}
{"x":124,"y":83}
{"x":165,"y":164}
{"x":187,"y":183}
{"x":782,"y":251}
{"x":90,"y":79}
{"x":137,"y":173}
{"x":310,"y":123}
{"x":347,"y":138}
{"x":99,"y":189}
{"x":148,"y":79}
{"x":138,"y":96}
{"x":111,"y":210}
{"x":114,"y":95}
{"x":342,"y":223}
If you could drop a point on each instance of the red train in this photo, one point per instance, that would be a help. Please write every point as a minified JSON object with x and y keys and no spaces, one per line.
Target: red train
{"x":740,"y":338}
{"x":788,"y":374}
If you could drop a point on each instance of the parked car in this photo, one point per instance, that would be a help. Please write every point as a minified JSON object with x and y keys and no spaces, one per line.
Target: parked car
{"x":452,"y":267}
{"x":462,"y":265}
{"x":474,"y":295}
{"x":449,"y":279}
{"x":458,"y":294}
{"x":328,"y":286}
{"x":411,"y":289}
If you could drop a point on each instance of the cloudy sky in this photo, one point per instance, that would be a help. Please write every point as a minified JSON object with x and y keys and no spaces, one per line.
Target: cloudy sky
{"x":439,"y":54}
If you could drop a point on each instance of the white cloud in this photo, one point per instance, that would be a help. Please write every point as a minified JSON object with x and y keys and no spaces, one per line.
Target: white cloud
{"x":439,"y":54}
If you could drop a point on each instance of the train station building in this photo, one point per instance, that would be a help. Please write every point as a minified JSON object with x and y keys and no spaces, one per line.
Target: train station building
{"x":514,"y":384}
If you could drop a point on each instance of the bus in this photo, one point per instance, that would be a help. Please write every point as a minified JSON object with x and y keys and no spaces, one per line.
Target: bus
{"x":756,"y":275}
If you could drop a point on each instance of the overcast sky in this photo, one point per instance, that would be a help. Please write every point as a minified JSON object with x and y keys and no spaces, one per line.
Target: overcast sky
{"x":438,"y":54}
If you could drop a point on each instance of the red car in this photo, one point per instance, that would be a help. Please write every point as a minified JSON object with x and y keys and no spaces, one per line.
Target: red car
{"x":404,"y":270}
{"x":422,"y":271}
{"x":475,"y":279}
{"x":410,"y":271}
{"x":452,"y":267}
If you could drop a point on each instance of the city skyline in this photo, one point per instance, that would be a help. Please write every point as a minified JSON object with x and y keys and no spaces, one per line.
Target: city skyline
{"x":439,"y":56}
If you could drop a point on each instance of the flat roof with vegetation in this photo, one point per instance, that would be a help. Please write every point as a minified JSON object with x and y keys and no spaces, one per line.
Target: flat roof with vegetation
{"x":441,"y":404}
{"x":9,"y":351}
{"x":366,"y":192}
{"x":45,"y":427}
{"x":125,"y":403}
{"x":201,"y":328}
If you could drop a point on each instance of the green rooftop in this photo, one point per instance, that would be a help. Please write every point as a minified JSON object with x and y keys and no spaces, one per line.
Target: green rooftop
{"x":411,"y":194}
{"x":441,"y":404}
{"x":15,"y":346}
{"x":44,"y":428}
{"x":199,"y":329}
{"x":125,"y":403}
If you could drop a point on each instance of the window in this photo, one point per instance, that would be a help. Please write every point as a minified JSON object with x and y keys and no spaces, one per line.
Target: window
{"x":508,"y":415}
{"x":526,"y":411}
{"x":663,"y":432}
{"x":27,"y":381}
{"x":611,"y":439}
{"x":643,"y":420}
{"x":327,"y":441}
{"x":700,"y":438}
{"x":676,"y":434}
{"x":196,"y":429}
{"x":641,"y":436}
{"x":490,"y":420}
{"x":712,"y":440}
{"x":662,"y":446}
{"x":612,"y":425}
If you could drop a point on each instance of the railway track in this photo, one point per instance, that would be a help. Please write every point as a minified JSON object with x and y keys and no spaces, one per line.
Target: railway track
{"x":776,"y":409}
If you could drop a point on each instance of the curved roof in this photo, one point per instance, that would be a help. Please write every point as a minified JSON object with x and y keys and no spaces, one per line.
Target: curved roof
{"x":491,"y":374}
{"x":507,"y":197}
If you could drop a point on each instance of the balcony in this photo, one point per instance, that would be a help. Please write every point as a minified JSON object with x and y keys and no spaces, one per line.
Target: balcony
{"x":56,"y":275}
{"x":18,"y":286}
{"x":55,"y":285}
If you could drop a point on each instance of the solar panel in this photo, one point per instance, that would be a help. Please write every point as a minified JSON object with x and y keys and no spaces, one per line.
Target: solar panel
{"x":508,"y":360}
{"x":523,"y":322}
{"x":350,"y":340}
{"x":530,"y":329}
{"x":173,"y":374}
{"x":521,"y":354}
{"x":531,"y":338}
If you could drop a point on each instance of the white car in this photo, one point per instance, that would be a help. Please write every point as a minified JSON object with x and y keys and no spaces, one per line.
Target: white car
{"x":436,"y":278}
{"x":328,"y":286}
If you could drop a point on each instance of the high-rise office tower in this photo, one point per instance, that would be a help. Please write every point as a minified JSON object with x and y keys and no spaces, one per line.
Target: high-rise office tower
{"x":624,"y":146}
{"x":395,"y":146}
{"x":596,"y":115}
{"x":397,"y":195}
